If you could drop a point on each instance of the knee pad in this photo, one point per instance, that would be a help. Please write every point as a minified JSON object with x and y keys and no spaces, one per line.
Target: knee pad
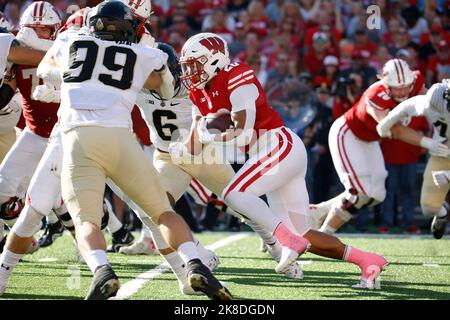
{"x":40,"y":204}
{"x":431,"y":212}
{"x":28,"y":223}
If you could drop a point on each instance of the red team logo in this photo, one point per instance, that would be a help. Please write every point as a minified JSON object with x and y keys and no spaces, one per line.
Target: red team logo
{"x":213,"y":44}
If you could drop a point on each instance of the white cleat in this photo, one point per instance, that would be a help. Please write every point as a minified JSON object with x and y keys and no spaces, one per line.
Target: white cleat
{"x":368,"y":284}
{"x":288,"y":257}
{"x":210,"y":259}
{"x":143,"y":246}
{"x":294,"y":272}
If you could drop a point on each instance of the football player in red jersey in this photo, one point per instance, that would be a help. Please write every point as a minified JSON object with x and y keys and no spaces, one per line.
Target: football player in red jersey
{"x":277,"y":157}
{"x":355,"y":148}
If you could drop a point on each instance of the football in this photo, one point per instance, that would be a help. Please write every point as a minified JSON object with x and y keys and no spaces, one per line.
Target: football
{"x":219,"y":121}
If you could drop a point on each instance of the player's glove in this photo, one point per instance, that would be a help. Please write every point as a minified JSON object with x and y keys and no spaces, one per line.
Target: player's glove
{"x":179,"y":153}
{"x":384,"y":129}
{"x":436,"y":148}
{"x":28,"y":37}
{"x":204,"y":136}
{"x":46,"y":93}
{"x":441,"y":178}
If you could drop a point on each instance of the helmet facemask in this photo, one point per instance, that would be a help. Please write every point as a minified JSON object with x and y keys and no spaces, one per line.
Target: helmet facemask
{"x":193,"y":74}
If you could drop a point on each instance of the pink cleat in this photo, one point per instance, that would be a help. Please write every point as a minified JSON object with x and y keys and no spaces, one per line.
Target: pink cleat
{"x":371,"y":266}
{"x":291,"y":247}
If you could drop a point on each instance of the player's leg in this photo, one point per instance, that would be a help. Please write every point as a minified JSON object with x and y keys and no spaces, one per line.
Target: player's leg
{"x":216,"y":176}
{"x":120,"y":236}
{"x":87,"y":151}
{"x":360,"y":166}
{"x":137,"y":177}
{"x":432,"y":197}
{"x":19,"y":165}
{"x":266,"y":171}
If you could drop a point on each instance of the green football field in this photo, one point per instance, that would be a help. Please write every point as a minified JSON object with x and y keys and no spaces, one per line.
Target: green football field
{"x":419,"y":269}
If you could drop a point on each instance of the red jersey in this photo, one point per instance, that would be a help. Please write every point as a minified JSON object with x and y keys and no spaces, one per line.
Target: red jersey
{"x":39,"y":117}
{"x":376,"y":96}
{"x":140,"y":127}
{"x":223,"y":84}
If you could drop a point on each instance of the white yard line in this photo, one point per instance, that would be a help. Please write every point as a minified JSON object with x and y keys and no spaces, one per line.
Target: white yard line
{"x":387,"y":236}
{"x":131,"y":287}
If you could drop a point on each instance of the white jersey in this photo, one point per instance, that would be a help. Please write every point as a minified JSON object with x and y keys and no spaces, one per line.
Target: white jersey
{"x":168,"y":120}
{"x":6,"y":40}
{"x":434,"y":107}
{"x":101,"y":79}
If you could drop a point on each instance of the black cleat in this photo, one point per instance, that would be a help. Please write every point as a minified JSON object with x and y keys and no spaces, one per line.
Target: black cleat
{"x":121,"y":238}
{"x":52,"y":231}
{"x":439,"y":226}
{"x":104,"y":285}
{"x":201,"y":279}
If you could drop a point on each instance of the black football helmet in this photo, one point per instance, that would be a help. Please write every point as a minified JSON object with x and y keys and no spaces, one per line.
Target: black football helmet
{"x":172,"y":62}
{"x":174,"y":67}
{"x":113,"y":21}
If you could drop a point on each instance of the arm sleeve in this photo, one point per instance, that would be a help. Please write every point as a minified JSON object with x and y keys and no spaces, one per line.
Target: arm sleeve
{"x":414,"y":106}
{"x":244,"y":98}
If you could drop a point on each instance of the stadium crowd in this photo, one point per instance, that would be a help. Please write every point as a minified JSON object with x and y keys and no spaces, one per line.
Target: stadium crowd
{"x":315,"y":58}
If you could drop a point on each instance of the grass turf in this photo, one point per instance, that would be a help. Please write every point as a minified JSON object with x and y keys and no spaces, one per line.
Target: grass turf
{"x":419,"y":269}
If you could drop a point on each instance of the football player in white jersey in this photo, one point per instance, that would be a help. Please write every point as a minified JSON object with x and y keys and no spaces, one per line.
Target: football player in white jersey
{"x":95,"y":118}
{"x":435,"y":106}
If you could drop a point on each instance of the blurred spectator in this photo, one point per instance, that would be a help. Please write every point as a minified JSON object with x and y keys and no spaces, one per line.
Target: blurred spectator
{"x":415,"y":23}
{"x":261,"y":73}
{"x":360,"y":65}
{"x":258,"y":21}
{"x":238,"y":44}
{"x":251,"y":49}
{"x":235,"y":7}
{"x":12,"y":14}
{"x":400,"y":40}
{"x":176,"y":40}
{"x":287,"y":31}
{"x":218,"y":24}
{"x":401,"y":163}
{"x":438,"y":62}
{"x":323,"y":24}
{"x":380,"y":58}
{"x":345,"y":53}
{"x":362,"y":42}
{"x":280,"y":72}
{"x":179,"y":25}
{"x":323,"y":163}
{"x":328,"y":74}
{"x":312,"y":61}
{"x":346,"y":93}
{"x":274,"y":10}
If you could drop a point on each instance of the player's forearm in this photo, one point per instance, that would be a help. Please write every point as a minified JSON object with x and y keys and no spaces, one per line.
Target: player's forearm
{"x":407,"y":135}
{"x":26,"y":56}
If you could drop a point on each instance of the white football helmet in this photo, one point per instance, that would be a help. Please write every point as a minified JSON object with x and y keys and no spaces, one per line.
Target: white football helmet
{"x":4,"y":23}
{"x":142,"y":9}
{"x":40,"y":13}
{"x":398,"y":78}
{"x":202,"y":57}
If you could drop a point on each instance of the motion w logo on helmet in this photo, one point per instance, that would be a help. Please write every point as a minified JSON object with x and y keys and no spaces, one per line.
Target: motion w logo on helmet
{"x":213,"y":44}
{"x":135,"y":3}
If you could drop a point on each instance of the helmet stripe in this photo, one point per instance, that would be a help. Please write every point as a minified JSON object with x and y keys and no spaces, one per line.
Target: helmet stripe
{"x":35,"y":9}
{"x":401,"y":71}
{"x":396,"y":70}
